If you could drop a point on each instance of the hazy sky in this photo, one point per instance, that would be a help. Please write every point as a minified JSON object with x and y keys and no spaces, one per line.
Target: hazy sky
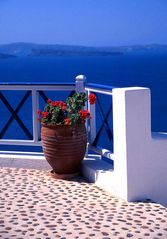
{"x":84,"y":22}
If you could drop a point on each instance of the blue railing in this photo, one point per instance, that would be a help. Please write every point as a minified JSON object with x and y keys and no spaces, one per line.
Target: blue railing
{"x":106,"y":88}
{"x":20,"y":101}
{"x":101,"y":133}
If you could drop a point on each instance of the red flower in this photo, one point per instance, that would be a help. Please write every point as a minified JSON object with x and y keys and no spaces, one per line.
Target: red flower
{"x":69,"y":112}
{"x":54,"y":103}
{"x":92,"y":98}
{"x":84,"y":114}
{"x":67,"y":121}
{"x":38,"y":112}
{"x":60,"y":104}
{"x":45,"y":114}
{"x":49,"y":101}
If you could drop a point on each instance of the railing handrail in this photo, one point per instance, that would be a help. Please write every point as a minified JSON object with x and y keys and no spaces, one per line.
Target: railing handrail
{"x":38,"y":87}
{"x":97,"y":88}
{"x":38,"y":83}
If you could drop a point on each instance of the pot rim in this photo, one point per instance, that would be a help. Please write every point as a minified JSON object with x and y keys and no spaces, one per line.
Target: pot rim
{"x":62,"y":126}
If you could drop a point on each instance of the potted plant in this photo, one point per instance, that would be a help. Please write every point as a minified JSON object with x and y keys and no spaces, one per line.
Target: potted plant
{"x":63,"y":133}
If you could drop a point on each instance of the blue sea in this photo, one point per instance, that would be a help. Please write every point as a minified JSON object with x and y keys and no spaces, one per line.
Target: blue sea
{"x":147,"y":70}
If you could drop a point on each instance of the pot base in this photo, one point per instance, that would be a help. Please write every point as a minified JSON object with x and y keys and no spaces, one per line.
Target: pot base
{"x":63,"y":176}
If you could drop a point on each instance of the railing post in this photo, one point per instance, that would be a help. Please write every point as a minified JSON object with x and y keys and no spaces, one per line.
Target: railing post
{"x":35,"y":107}
{"x":92,"y":122}
{"x":91,"y":126}
{"x":80,"y":87}
{"x":80,"y":83}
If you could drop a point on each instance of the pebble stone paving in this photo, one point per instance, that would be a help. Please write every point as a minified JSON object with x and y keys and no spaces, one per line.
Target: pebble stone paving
{"x":34,"y":205}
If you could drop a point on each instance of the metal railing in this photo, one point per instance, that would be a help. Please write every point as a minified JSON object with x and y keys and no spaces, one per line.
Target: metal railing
{"x":104,"y":111}
{"x":34,"y":91}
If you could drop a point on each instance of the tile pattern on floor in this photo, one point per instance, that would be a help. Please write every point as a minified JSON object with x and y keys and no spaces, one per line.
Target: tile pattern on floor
{"x":34,"y":205}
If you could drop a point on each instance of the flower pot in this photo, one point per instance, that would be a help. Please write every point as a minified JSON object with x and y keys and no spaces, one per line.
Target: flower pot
{"x":64,"y":147}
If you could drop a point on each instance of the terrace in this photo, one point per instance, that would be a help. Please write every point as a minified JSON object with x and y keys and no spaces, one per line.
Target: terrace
{"x":127,"y":172}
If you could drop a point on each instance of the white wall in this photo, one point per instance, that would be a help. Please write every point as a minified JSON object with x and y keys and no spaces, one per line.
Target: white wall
{"x":158,"y":191}
{"x":140,"y":159}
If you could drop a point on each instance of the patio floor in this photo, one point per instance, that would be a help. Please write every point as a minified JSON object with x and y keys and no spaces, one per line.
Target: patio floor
{"x":34,"y":205}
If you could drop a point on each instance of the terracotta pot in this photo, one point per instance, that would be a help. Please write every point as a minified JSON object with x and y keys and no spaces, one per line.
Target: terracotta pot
{"x":64,"y":147}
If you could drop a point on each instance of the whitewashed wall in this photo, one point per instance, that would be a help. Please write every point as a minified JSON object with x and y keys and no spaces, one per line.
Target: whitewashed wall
{"x":140,"y":157}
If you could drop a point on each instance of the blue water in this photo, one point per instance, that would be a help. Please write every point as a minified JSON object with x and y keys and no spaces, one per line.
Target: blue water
{"x":148,"y":70}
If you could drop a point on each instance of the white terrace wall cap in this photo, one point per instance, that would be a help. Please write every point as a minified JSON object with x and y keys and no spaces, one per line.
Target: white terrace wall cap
{"x":130,"y":88}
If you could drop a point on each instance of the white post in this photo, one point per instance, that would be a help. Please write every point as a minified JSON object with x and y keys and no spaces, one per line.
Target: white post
{"x":80,"y":87}
{"x":35,"y":107}
{"x":80,"y":83}
{"x":92,"y":124}
{"x":132,"y":139}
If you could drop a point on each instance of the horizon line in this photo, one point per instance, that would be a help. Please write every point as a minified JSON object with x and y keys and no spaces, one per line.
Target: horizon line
{"x":59,"y":44}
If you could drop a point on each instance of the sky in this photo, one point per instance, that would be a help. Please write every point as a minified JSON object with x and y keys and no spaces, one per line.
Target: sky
{"x":84,"y":22}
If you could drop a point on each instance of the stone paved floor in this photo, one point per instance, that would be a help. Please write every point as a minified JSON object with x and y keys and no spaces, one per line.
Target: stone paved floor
{"x":33,"y":205}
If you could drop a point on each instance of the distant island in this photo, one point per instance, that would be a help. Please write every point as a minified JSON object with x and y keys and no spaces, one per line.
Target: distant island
{"x":5,"y":56}
{"x":38,"y":50}
{"x":31,"y":49}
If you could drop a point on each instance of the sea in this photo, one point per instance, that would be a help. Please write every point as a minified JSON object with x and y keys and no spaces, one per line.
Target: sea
{"x":145,"y":70}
